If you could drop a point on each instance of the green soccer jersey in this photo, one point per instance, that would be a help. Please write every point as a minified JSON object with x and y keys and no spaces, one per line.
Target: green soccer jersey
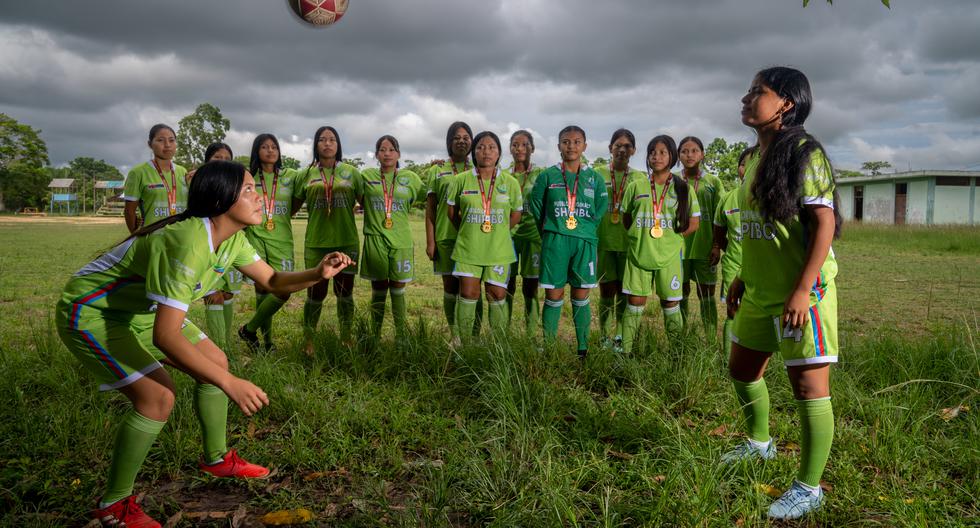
{"x":773,"y":253}
{"x":527,"y":229}
{"x":174,"y":266}
{"x":145,"y":185}
{"x":439,"y":179}
{"x":473,"y":246}
{"x":612,"y":237}
{"x":549,"y":202}
{"x":334,"y":226}
{"x":408,"y":189}
{"x":727,"y":216}
{"x":277,"y":192}
{"x":643,"y":250}
{"x":708,"y":189}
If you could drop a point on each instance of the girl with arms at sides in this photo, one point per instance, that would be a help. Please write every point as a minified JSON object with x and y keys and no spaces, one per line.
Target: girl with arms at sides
{"x":273,"y":238}
{"x":568,"y":201}
{"x":728,"y":239}
{"x":659,"y":211}
{"x":527,"y":239}
{"x":612,"y":238}
{"x":158,"y":188}
{"x":388,"y":258}
{"x":697,"y":267}
{"x":440,"y":233}
{"x":484,"y":205}
{"x":785,"y":298}
{"x":330,"y":189}
{"x":123,"y":317}
{"x":220,"y":313}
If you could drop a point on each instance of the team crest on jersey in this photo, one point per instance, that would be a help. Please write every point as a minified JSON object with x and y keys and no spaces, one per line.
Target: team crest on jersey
{"x":502,"y":188}
{"x":403,"y":180}
{"x":346,"y":175}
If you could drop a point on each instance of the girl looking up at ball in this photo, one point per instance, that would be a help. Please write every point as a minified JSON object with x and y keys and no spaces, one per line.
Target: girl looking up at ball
{"x":785,"y":298}
{"x":388,"y":258}
{"x":568,"y":201}
{"x":157,"y":188}
{"x":273,"y":238}
{"x":123,"y":316}
{"x":330,"y":189}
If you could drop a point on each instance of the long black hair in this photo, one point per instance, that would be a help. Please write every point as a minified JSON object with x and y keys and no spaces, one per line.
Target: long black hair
{"x":213,"y":149}
{"x":481,"y":135}
{"x":316,"y":139}
{"x":452,"y":132}
{"x":394,"y":143}
{"x":682,"y":217}
{"x":254,"y":163}
{"x":213,"y":190}
{"x":622,"y":132}
{"x":782,"y":169}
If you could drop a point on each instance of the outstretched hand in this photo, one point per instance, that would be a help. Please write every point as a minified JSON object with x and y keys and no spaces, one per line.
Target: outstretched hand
{"x":334,"y":263}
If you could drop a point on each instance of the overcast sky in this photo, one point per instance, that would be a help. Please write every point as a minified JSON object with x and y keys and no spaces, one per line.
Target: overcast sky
{"x":901,"y":85}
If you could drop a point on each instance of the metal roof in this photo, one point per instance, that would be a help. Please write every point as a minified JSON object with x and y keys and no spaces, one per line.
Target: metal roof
{"x":61,"y":183}
{"x":911,"y":175}
{"x":110,"y":184}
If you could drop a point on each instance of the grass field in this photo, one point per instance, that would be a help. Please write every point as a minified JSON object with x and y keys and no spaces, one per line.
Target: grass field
{"x":504,"y":435}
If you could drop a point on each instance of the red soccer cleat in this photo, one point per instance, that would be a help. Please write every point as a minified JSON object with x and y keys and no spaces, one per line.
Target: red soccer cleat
{"x":124,"y":513}
{"x":234,"y":466}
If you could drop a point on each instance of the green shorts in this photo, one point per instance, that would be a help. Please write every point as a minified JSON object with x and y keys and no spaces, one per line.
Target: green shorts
{"x":729,"y":270}
{"x":760,"y":329}
{"x":496,"y":274}
{"x":380,"y":262}
{"x":528,"y":259}
{"x":699,"y":271}
{"x":443,"y":263}
{"x":313,"y":255}
{"x":567,"y":260}
{"x":612,"y":266}
{"x":116,"y":348}
{"x":277,"y":254}
{"x":640,"y":282}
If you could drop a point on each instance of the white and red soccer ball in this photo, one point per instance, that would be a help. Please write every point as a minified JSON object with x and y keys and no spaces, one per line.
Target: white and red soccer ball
{"x":321,"y":12}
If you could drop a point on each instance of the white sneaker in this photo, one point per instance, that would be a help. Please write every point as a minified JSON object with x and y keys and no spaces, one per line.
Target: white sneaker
{"x":796,"y":502}
{"x":747,"y":451}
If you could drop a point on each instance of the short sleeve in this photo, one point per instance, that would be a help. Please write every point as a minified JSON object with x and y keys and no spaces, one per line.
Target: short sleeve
{"x":299,"y":184}
{"x":430,"y":179}
{"x":626,"y":205}
{"x":516,"y":197}
{"x":818,"y":182}
{"x":133,"y":186}
{"x":452,"y":192}
{"x":720,"y":219}
{"x":695,"y":205}
{"x":171,"y":278}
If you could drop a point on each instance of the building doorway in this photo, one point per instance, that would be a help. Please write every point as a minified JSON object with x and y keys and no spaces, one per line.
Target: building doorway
{"x":901,"y":198}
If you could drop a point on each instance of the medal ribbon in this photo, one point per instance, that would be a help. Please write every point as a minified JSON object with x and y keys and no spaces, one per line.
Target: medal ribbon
{"x":527,"y":174}
{"x":572,"y":194}
{"x":658,"y":204}
{"x":389,"y":197}
{"x":328,"y":186}
{"x":466,"y":166}
{"x":172,"y":189}
{"x":486,"y":198}
{"x":617,"y":191}
{"x":269,"y":201}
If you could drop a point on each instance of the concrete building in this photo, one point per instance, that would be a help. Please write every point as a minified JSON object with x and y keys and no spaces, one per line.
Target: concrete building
{"x":917,"y":197}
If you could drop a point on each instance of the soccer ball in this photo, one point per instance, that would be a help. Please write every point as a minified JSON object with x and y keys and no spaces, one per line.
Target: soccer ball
{"x":320,"y":12}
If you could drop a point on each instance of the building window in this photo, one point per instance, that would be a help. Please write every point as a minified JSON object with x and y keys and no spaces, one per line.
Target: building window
{"x":953,"y":181}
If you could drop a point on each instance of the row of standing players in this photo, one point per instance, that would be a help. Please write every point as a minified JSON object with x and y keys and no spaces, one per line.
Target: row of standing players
{"x":629,"y":232}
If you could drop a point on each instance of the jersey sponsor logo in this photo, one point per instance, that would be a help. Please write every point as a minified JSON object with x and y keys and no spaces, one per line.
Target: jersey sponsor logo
{"x":502,"y":199}
{"x":183,"y":268}
{"x":731,"y":211}
{"x":641,"y":197}
{"x":373,"y":182}
{"x":467,"y":193}
{"x":758,"y":230}
{"x":155,"y":186}
{"x":557,"y":186}
{"x":589,"y":192}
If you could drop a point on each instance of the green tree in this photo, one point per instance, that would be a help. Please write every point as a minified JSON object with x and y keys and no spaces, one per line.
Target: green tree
{"x":875,"y":167}
{"x":86,"y":172}
{"x":26,"y":186}
{"x":196,"y":131}
{"x":290,"y":163}
{"x":356,"y":162}
{"x":844,"y":173}
{"x":244,"y":160}
{"x":721,"y":159}
{"x":600,"y":162}
{"x":22,"y":156}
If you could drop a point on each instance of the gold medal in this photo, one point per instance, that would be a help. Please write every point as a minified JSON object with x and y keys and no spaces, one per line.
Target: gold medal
{"x":614,"y":217}
{"x":571,"y":222}
{"x":656,"y":231}
{"x":486,"y":227}
{"x":388,"y":223}
{"x":269,"y":225}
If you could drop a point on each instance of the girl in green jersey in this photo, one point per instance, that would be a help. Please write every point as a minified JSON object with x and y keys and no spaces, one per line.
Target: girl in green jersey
{"x":329,"y":188}
{"x":784,"y":299}
{"x":527,"y":239}
{"x":273,"y":239}
{"x":484,"y":205}
{"x":158,"y":188}
{"x":123,"y":316}
{"x":658,"y":212}
{"x":388,"y":258}
{"x":697,"y":247}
